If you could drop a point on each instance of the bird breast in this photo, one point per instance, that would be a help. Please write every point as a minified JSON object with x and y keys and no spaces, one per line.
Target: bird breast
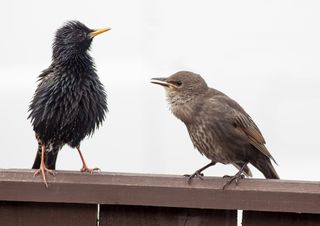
{"x":207,"y":143}
{"x":181,"y":107}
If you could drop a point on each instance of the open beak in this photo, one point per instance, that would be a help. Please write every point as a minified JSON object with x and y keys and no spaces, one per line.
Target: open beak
{"x":99,"y":31}
{"x":160,"y":81}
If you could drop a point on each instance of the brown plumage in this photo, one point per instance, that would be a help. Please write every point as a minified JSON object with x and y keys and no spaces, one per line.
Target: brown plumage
{"x":218,"y":126}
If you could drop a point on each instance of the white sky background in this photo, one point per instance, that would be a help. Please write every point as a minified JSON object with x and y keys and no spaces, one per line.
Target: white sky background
{"x":264,"y":54}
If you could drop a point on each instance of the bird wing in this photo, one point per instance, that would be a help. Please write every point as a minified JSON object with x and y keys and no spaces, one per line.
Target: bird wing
{"x":247,"y":125}
{"x":49,"y":105}
{"x":41,"y":96}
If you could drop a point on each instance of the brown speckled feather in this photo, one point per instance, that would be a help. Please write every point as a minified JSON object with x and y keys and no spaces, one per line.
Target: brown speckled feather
{"x":218,"y":126}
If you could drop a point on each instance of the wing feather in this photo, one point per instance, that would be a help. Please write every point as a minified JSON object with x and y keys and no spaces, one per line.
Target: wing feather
{"x":246,"y":124}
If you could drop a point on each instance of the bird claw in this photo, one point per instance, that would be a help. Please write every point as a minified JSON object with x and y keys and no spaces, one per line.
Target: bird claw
{"x":85,"y":169}
{"x":195,"y":174}
{"x":235,"y":178}
{"x":43,"y":169}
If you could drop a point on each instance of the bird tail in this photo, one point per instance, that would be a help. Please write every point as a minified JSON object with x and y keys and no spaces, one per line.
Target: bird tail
{"x":265,"y":166}
{"x":50,"y":158}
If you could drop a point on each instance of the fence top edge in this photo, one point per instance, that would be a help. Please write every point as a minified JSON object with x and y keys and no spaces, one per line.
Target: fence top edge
{"x":159,"y":180}
{"x":160,"y":190}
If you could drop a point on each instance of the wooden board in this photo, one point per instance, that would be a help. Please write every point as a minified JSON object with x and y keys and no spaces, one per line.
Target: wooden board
{"x":255,"y":218}
{"x":113,"y":215}
{"x":161,"y":191}
{"x":48,"y":214}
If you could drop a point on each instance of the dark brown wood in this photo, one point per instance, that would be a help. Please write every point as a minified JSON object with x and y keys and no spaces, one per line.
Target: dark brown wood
{"x":162,"y":191}
{"x":113,"y":215}
{"x":48,"y":214}
{"x":254,"y":218}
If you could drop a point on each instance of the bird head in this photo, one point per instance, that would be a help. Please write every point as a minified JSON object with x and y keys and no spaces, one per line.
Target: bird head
{"x":183,"y":90}
{"x":73,"y":38}
{"x":182,"y":85}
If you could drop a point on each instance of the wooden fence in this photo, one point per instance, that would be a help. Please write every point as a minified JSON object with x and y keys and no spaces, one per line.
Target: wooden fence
{"x":138,"y":199}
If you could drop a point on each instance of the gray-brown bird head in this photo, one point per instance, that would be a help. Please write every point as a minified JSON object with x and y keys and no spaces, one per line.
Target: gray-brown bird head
{"x":182,"y":89}
{"x":182,"y":85}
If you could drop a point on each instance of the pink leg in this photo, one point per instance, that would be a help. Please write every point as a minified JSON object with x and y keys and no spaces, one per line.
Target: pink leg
{"x":85,"y":168}
{"x":43,"y":167}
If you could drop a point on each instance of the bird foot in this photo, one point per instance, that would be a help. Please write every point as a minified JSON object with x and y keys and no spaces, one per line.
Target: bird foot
{"x":235,"y":178}
{"x":43,"y":169}
{"x":195,"y":174}
{"x":85,"y":169}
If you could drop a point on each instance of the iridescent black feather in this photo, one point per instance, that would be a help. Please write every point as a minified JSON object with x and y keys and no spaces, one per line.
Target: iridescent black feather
{"x":70,"y":101}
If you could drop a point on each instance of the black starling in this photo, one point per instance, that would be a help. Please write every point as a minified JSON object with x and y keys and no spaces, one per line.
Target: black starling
{"x":70,"y":101}
{"x":218,"y":126}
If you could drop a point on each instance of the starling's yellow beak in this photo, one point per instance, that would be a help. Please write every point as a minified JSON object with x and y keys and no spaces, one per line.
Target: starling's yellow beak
{"x":99,"y":31}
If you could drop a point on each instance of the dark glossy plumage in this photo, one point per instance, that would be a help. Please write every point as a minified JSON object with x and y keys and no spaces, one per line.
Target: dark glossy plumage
{"x":218,"y":126}
{"x":70,"y":101}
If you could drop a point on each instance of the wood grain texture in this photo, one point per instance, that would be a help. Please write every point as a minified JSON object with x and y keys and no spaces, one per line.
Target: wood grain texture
{"x":112,"y":215}
{"x":48,"y":214}
{"x":161,"y":191}
{"x":254,"y":218}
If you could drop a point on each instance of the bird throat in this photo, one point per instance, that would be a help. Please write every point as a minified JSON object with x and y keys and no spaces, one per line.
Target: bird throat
{"x":181,"y":106}
{"x":68,"y":57}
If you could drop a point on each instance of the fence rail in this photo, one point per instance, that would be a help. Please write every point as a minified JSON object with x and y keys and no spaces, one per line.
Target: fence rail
{"x":141,"y":199}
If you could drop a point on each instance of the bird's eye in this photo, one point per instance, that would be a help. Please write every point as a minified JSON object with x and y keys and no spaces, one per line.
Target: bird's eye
{"x":178,"y":83}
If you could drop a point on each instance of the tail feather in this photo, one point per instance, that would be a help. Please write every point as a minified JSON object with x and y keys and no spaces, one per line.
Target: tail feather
{"x":265,"y":166}
{"x":37,"y":161}
{"x":50,"y":158}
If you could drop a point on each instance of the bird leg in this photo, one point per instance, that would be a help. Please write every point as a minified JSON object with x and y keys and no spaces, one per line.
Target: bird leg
{"x":43,"y":167}
{"x":85,"y":168}
{"x":236,"y":177}
{"x":198,"y":173}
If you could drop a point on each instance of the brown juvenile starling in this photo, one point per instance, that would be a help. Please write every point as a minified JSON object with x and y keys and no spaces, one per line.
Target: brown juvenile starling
{"x":70,"y":101}
{"x":218,"y":126}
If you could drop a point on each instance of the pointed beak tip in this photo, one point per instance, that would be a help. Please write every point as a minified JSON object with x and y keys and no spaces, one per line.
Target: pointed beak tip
{"x":155,"y":80}
{"x":159,"y":81}
{"x":99,"y":31}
